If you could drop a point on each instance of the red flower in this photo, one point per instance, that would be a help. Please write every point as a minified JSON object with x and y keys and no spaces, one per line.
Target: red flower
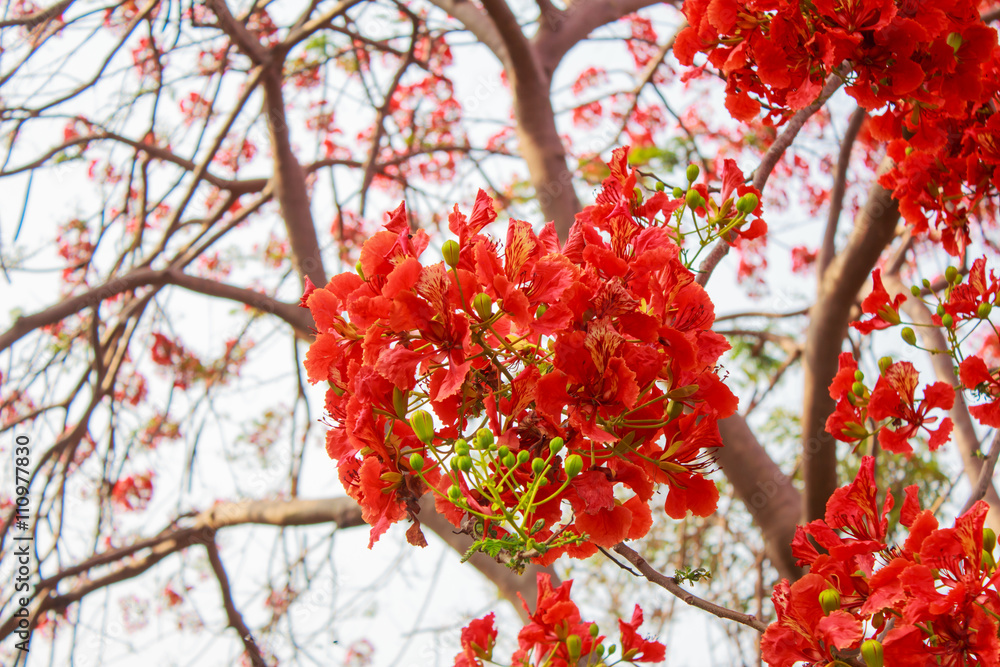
{"x":894,"y":397}
{"x":634,"y":647}
{"x":976,"y":376}
{"x":478,"y":638}
{"x":878,"y":304}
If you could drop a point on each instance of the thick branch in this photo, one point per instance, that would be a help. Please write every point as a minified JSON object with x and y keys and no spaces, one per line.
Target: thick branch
{"x":837,"y":292}
{"x":773,"y":502}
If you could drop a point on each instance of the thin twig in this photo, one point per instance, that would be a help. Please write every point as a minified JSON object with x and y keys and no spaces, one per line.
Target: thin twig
{"x":670,"y":584}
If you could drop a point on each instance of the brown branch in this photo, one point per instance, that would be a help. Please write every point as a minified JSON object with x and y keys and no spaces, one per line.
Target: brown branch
{"x":768,"y":494}
{"x":35,"y":19}
{"x":291,"y":313}
{"x":238,"y":32}
{"x":670,"y":585}
{"x":985,"y":481}
{"x":233,"y":614}
{"x":837,"y":193}
{"x":767,"y":165}
{"x":322,"y":21}
{"x":479,"y":24}
{"x":837,"y":291}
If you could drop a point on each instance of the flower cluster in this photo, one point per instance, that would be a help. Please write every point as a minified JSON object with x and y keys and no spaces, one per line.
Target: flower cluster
{"x":933,"y":67}
{"x":932,"y":600}
{"x":555,"y":636}
{"x":540,"y":391}
{"x":893,"y":402}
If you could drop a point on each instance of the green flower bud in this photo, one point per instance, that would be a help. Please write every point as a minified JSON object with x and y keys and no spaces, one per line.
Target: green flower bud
{"x":678,"y":193}
{"x":537,"y":466}
{"x":423,"y":426}
{"x":465,"y":463}
{"x":503,"y":451}
{"x":747,"y":204}
{"x":871,"y":651}
{"x":674,"y":409}
{"x":540,"y":311}
{"x":416,"y":462}
{"x":858,"y":389}
{"x":461,"y":447}
{"x":984,"y":310}
{"x":522,"y":456}
{"x":573,"y":465}
{"x":908,"y":336}
{"x":988,"y":561}
{"x":555,"y":445}
{"x":594,"y":630}
{"x":947,"y":320}
{"x":450,"y":251}
{"x":940,"y":309}
{"x":484,"y":438}
{"x":829,"y":600}
{"x":694,"y":199}
{"x":954,"y":40}
{"x":483,"y":306}
{"x":574,"y":645}
{"x":692,"y":173}
{"x":859,"y":375}
{"x":361,"y":272}
{"x":914,"y":290}
{"x":510,"y":461}
{"x":989,"y":539}
{"x":399,"y":402}
{"x":660,"y":186}
{"x":951,"y":273}
{"x":454,"y":493}
{"x":599,"y":651}
{"x":883,"y":364}
{"x":638,"y":195}
{"x":926,"y":283}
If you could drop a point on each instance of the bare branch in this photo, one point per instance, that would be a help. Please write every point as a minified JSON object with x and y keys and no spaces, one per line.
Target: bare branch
{"x":232,"y":613}
{"x":837,"y":193}
{"x":985,"y":481}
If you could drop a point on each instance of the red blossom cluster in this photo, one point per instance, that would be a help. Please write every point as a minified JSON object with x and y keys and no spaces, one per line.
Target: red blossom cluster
{"x":932,"y":600}
{"x":592,"y":366}
{"x":932,"y":68}
{"x":556,"y":636}
{"x":893,"y":402}
{"x":133,"y":492}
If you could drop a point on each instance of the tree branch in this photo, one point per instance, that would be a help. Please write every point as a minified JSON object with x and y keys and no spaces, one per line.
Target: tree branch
{"x":837,"y":291}
{"x":232,"y":613}
{"x":670,"y":585}
{"x":828,"y":248}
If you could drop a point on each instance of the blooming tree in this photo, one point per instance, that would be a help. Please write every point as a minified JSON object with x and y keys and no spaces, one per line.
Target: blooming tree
{"x":534,"y":374}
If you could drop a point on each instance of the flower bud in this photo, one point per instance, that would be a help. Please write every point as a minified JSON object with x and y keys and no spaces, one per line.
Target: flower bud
{"x":984,"y":310}
{"x":747,"y":204}
{"x":678,"y":193}
{"x":908,"y":336}
{"x":638,"y":195}
{"x":484,"y":438}
{"x":454,"y":493}
{"x":416,"y":462}
{"x":464,"y":463}
{"x":692,"y":173}
{"x":674,"y":409}
{"x":522,"y":456}
{"x":540,"y":310}
{"x":859,"y":375}
{"x":989,"y":539}
{"x":573,"y":465}
{"x":594,"y":630}
{"x":423,"y":426}
{"x":574,"y":645}
{"x":361,"y":271}
{"x":951,"y":273}
{"x":954,"y":40}
{"x":871,"y":651}
{"x":883,"y":364}
{"x":694,"y":199}
{"x":829,"y":600}
{"x":510,"y":461}
{"x":914,"y":290}
{"x":660,"y":186}
{"x":461,"y":447}
{"x":555,"y":445}
{"x":878,"y":620}
{"x":940,"y":309}
{"x":537,"y":466}
{"x":399,"y":402}
{"x":947,"y":320}
{"x":503,"y":451}
{"x":483,"y":306}
{"x":858,"y":388}
{"x":988,"y":561}
{"x":450,"y":251}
